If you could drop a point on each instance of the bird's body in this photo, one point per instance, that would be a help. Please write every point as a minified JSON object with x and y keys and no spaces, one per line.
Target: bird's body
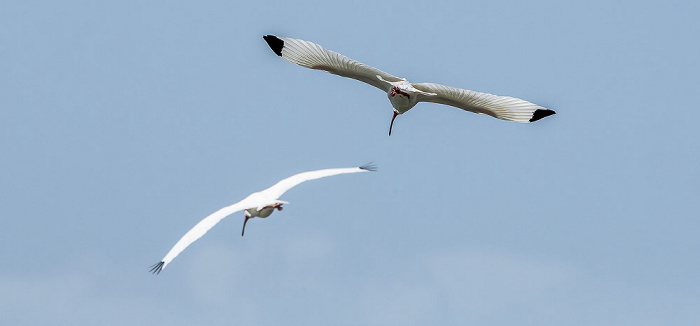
{"x":403,"y":94}
{"x":258,"y":204}
{"x":263,"y":212}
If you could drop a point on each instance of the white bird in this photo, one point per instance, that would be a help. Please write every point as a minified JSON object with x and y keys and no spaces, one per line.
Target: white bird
{"x":258,"y":204}
{"x":402,"y":94}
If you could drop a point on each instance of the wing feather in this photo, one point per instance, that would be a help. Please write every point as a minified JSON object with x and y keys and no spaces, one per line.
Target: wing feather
{"x":281,"y":187}
{"x":314,"y":56}
{"x":197,"y":232}
{"x":502,"y":107}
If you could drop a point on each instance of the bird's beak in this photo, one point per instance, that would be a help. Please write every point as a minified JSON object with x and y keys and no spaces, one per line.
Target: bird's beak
{"x":392,"y":122}
{"x":244,"y":222}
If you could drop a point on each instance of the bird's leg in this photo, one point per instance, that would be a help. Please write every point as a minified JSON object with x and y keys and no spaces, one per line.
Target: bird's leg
{"x":276,"y":205}
{"x":392,"y":122}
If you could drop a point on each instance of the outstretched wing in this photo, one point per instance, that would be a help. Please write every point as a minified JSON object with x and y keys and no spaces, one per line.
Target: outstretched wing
{"x":195,"y":233}
{"x":314,"y":56}
{"x":281,"y":187}
{"x":502,"y":107}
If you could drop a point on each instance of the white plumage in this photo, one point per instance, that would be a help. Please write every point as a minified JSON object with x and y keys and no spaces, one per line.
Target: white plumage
{"x":257,"y":204}
{"x":402,"y":94}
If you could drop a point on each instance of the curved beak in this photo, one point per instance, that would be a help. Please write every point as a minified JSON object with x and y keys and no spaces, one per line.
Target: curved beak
{"x":244,"y":222}
{"x":392,"y":122}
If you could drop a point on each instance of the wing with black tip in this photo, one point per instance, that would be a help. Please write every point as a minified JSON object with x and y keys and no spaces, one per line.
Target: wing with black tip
{"x":502,"y":107}
{"x":195,"y":233}
{"x":314,"y":56}
{"x":281,"y":187}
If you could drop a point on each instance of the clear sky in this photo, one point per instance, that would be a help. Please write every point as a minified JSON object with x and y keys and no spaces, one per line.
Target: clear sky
{"x":123,"y":123}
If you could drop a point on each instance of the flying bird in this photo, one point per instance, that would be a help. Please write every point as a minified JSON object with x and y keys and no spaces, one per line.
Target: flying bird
{"x":402,"y":94}
{"x":258,"y":204}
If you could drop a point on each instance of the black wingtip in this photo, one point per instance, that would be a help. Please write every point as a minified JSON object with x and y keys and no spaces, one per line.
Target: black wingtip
{"x":156,"y":268}
{"x":369,"y":167}
{"x":275,"y":43}
{"x":541,"y":113}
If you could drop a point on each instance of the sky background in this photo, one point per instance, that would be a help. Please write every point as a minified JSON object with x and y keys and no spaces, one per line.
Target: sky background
{"x":123,"y":123}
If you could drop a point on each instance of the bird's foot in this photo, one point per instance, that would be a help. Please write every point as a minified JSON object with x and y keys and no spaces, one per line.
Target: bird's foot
{"x":276,"y":205}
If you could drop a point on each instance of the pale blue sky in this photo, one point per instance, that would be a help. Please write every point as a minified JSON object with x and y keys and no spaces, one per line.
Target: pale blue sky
{"x":123,"y":123}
